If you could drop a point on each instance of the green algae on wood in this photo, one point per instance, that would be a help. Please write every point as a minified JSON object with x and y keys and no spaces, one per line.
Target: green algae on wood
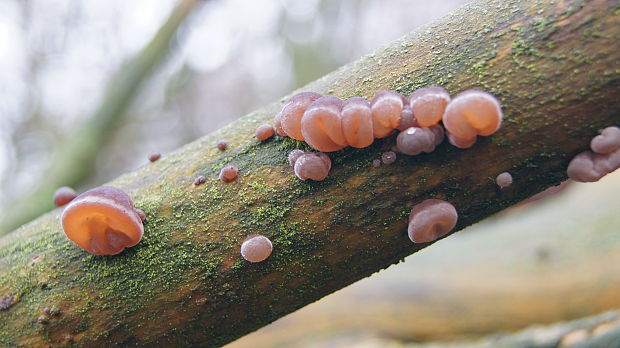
{"x":185,"y":283}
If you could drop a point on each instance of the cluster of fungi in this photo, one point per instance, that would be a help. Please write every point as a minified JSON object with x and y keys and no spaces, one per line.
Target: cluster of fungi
{"x":103,"y":221}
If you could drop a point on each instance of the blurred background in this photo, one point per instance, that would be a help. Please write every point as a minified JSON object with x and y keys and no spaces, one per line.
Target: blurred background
{"x":62,"y":61}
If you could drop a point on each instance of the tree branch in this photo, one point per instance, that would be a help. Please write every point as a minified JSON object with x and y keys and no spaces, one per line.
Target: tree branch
{"x":554,"y":66}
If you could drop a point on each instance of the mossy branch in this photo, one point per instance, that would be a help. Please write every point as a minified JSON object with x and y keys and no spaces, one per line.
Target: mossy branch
{"x":553,"y":65}
{"x":74,"y":160}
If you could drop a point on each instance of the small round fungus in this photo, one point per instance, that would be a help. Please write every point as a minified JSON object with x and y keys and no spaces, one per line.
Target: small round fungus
{"x":256,"y":248}
{"x":430,"y":220}
{"x":376,"y":163}
{"x":293,"y":111}
{"x":63,"y":196}
{"x":472,"y":113}
{"x":102,"y":221}
{"x":504,"y":180}
{"x":428,"y":105}
{"x":607,"y":142}
{"x":313,"y":166}
{"x":222,"y":145}
{"x":141,"y":214}
{"x":264,"y":132}
{"x":590,"y":167}
{"x":388,"y":157}
{"x":414,"y":140}
{"x":386,"y":107}
{"x":357,"y":122}
{"x":321,"y":125}
{"x":154,"y":156}
{"x":407,"y":119}
{"x":293,"y":156}
{"x":200,"y":180}
{"x":228,"y":173}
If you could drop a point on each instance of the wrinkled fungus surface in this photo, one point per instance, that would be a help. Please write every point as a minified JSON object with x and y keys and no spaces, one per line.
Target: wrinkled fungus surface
{"x":63,"y":196}
{"x":313,"y":166}
{"x":430,"y":220}
{"x":504,"y":180}
{"x":102,"y":221}
{"x":606,"y":142}
{"x":229,"y":173}
{"x":357,"y":122}
{"x":386,"y":107}
{"x":288,"y":121}
{"x":321,"y":125}
{"x":388,"y":157}
{"x":591,"y":167}
{"x":256,"y":248}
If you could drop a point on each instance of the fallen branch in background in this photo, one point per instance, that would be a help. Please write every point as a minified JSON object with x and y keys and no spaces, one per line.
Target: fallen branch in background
{"x":74,"y":159}
{"x":552,"y":65}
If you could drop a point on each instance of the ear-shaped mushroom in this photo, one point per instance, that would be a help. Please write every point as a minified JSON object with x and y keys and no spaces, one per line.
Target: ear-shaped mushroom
{"x":102,"y":221}
{"x":313,"y":166}
{"x":430,"y":220}
{"x":472,"y":113}
{"x":357,"y":122}
{"x":607,"y":142}
{"x":292,"y":113}
{"x":321,"y":125}
{"x":428,"y":105}
{"x":591,"y":167}
{"x":386,"y":107}
{"x":256,"y":248}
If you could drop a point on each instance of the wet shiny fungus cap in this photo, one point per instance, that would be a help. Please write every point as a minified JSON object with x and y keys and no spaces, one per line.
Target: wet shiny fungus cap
{"x":386,"y":107}
{"x":102,"y":221}
{"x":357,"y":122}
{"x":606,"y":142}
{"x":430,"y":220}
{"x":428,"y":105}
{"x":321,"y":124}
{"x":256,"y":248}
{"x":313,"y":166}
{"x":292,"y":113}
{"x":472,"y":113}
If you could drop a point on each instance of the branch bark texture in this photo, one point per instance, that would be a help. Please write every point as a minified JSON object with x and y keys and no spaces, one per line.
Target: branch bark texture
{"x":554,"y":66}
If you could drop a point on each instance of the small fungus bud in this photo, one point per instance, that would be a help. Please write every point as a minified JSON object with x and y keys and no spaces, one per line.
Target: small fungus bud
{"x":312,"y":166}
{"x":141,"y":214}
{"x":63,"y":196}
{"x":407,"y":119}
{"x":200,"y":180}
{"x":154,"y":156}
{"x":321,"y":125}
{"x":102,"y":221}
{"x":293,"y":111}
{"x":256,"y":248}
{"x":504,"y":180}
{"x":388,"y":157}
{"x":590,"y":167}
{"x":376,"y":163}
{"x":386,"y":107}
{"x":229,"y":173}
{"x":607,"y":142}
{"x":428,"y":105}
{"x":472,"y":113}
{"x":293,"y":156}
{"x":222,"y":145}
{"x":430,"y":220}
{"x":264,"y":132}
{"x":414,"y":140}
{"x":357,"y":122}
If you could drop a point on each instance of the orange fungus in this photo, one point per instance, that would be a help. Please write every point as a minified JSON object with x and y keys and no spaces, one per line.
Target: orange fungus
{"x":102,"y":221}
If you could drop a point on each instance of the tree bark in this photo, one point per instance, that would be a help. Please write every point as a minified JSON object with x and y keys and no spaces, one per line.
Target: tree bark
{"x":554,"y":66}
